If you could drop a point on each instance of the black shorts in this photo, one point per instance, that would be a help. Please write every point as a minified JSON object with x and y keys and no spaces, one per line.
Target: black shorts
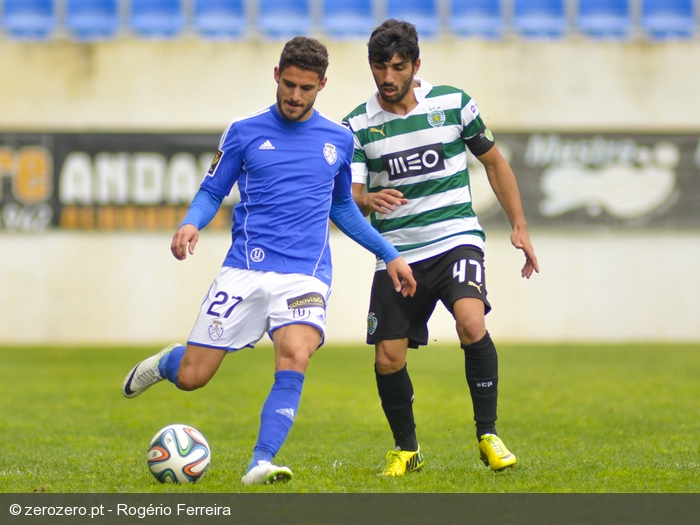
{"x":452,"y":275}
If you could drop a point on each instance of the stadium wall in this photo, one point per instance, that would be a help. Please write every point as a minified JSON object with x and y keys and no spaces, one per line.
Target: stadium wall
{"x":603,"y":284}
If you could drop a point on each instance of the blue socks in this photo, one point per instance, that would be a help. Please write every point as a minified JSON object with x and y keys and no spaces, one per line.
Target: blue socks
{"x":278,"y":414}
{"x":170,"y":363}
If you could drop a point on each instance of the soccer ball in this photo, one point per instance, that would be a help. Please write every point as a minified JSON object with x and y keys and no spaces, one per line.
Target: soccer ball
{"x":178,"y":454}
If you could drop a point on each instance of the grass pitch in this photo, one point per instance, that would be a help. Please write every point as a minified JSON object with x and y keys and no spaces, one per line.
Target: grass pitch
{"x":580,"y":418}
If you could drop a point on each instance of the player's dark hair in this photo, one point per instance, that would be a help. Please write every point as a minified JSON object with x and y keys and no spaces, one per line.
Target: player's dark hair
{"x":305,"y":53}
{"x":394,"y":37}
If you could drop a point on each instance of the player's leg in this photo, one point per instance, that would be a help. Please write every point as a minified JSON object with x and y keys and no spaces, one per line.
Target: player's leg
{"x":188,"y":368}
{"x":294,"y":346}
{"x":395,"y":391}
{"x":297,"y":324}
{"x":467,"y":296}
{"x":230,"y":318}
{"x":480,"y":362}
{"x":481,"y":367}
{"x":394,"y":323}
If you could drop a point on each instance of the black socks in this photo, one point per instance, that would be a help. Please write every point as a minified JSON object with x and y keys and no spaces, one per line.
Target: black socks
{"x":396,"y":393}
{"x":481,"y":367}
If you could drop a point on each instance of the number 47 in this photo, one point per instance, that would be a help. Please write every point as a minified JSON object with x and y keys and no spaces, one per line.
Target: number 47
{"x":459,"y":271}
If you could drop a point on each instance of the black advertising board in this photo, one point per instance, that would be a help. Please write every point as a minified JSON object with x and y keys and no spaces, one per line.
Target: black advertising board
{"x":145,"y":181}
{"x":102,"y":181}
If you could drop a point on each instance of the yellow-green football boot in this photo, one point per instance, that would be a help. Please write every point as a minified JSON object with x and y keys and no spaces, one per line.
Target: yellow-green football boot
{"x":400,"y":462}
{"x":494,"y":453}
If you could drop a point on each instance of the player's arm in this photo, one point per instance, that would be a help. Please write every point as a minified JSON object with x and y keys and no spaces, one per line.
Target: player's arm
{"x":346,"y":215}
{"x":349,"y":220}
{"x":218,"y":182}
{"x":203,"y":209}
{"x":382,"y":201}
{"x":505,"y":186}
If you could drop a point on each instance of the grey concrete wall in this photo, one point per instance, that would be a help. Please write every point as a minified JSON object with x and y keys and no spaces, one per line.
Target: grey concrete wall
{"x":121,"y":288}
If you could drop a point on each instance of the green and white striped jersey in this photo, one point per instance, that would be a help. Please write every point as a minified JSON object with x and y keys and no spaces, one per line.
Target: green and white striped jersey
{"x":423,"y":155}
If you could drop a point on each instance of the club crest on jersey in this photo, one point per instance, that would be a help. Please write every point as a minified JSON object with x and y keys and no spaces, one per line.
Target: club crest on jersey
{"x":330,"y":153}
{"x":216,"y":329}
{"x":436,"y":117}
{"x":371,"y":323}
{"x":215,"y":162}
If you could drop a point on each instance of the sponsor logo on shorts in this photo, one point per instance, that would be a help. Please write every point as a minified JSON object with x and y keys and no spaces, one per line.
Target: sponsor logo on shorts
{"x":216,"y":329}
{"x":308,"y":300}
{"x":477,"y":286}
{"x":371,"y":323}
{"x":301,"y":313}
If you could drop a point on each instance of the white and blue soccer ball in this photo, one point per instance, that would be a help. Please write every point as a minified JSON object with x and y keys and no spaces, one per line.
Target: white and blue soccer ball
{"x":178,"y":454}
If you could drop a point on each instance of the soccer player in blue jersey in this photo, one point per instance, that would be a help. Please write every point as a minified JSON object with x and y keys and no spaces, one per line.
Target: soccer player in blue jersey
{"x":410,"y":172}
{"x":292,"y":166}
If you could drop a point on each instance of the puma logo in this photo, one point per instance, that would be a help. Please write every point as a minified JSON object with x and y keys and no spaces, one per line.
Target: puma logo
{"x":378,"y":130}
{"x":477,"y":286}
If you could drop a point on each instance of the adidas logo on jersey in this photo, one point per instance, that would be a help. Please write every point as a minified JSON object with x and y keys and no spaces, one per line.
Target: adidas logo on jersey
{"x":266,"y":145}
{"x":286,"y":412}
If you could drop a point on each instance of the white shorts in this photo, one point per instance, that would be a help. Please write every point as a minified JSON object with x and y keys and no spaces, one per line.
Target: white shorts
{"x":242,"y":305}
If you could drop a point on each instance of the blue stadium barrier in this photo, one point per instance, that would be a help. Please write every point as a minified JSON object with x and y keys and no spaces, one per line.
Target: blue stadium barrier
{"x":219,"y":19}
{"x":480,"y":18}
{"x":348,"y":18}
{"x":668,"y":19}
{"x":156,"y":18}
{"x":92,"y":19}
{"x":284,"y":18}
{"x":605,"y":19}
{"x":422,"y":13}
{"x":29,"y":19}
{"x":537,"y":19}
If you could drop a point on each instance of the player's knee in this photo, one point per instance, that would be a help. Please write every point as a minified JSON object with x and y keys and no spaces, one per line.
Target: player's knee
{"x":471,"y":330}
{"x":388,"y":362}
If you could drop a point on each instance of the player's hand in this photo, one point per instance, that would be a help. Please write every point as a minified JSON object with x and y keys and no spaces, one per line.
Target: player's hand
{"x":520,"y":238}
{"x":383,"y":201}
{"x":402,"y":276}
{"x":184,"y":241}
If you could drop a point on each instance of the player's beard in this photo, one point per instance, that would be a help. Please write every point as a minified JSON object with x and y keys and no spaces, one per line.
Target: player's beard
{"x":304,"y":112}
{"x":401,"y":91}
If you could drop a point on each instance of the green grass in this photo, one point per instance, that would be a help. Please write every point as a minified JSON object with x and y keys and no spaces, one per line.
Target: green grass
{"x":580,"y":418}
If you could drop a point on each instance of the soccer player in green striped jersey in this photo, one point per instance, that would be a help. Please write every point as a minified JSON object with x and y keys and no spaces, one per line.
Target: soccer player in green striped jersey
{"x":410,"y":175}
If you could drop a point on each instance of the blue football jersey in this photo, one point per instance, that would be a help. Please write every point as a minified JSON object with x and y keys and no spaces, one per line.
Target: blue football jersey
{"x":288,"y":175}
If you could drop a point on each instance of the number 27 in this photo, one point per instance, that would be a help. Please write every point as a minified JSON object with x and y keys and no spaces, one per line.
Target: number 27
{"x":222,"y":299}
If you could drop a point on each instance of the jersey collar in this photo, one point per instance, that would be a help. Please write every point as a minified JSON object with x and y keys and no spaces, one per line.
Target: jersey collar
{"x":373,"y":107}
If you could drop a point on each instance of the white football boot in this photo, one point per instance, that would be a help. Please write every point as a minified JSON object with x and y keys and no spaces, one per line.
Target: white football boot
{"x":265,"y":472}
{"x":144,"y":375}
